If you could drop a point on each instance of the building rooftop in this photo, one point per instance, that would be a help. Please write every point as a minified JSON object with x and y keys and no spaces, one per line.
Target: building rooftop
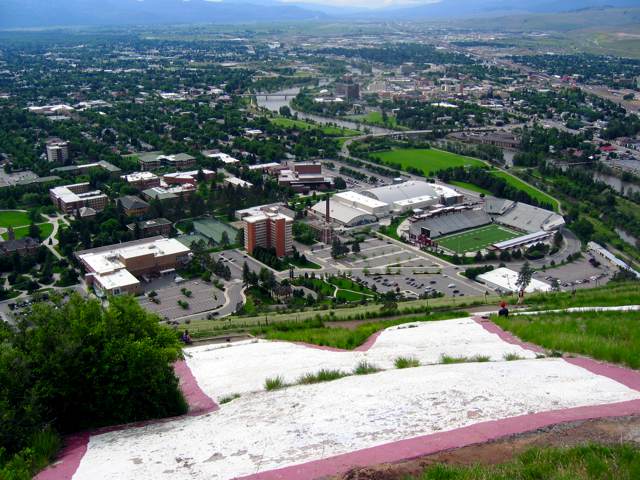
{"x":139,"y":177}
{"x":359,"y":198}
{"x":118,"y":279}
{"x":131,"y":202}
{"x":506,"y":279}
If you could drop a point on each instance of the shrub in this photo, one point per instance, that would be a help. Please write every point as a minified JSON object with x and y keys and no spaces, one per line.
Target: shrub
{"x":274,"y":383}
{"x":365,"y":368}
{"x":323,"y":375}
{"x":228,"y":398}
{"x":406,"y":362}
{"x":512,"y":356}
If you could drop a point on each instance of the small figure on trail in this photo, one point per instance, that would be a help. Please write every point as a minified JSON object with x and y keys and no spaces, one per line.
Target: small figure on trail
{"x":186,"y":338}
{"x":504,"y":311}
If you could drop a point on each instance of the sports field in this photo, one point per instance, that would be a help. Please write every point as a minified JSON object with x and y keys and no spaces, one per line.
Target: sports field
{"x":429,"y":160}
{"x":478,"y":239}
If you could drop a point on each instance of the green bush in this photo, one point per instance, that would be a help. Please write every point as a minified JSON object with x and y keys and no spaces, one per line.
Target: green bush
{"x":75,"y":365}
{"x":406,"y":362}
{"x":274,"y":383}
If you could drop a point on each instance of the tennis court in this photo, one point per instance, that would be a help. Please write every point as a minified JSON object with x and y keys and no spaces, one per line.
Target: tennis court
{"x":213,"y":229}
{"x":478,"y":239}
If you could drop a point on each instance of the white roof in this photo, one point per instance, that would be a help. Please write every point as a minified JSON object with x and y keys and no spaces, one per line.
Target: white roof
{"x":188,"y":175}
{"x":359,"y":198}
{"x":262,"y":166}
{"x":258,"y":217}
{"x":342,"y":213}
{"x":138,"y":176}
{"x":506,"y":279}
{"x":402,"y":191}
{"x":108,"y":261}
{"x":118,"y":279}
{"x":238,"y":182}
{"x":223,"y":157}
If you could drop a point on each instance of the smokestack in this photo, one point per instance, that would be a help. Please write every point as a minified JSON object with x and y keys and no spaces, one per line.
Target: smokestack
{"x":327,"y":217}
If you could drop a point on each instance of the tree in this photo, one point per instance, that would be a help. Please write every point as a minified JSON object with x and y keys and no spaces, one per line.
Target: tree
{"x":224,"y":239}
{"x":75,"y":365}
{"x":338,"y":249}
{"x":355,"y":248}
{"x":34,"y":231}
{"x":246,"y":274}
{"x":524,"y":279}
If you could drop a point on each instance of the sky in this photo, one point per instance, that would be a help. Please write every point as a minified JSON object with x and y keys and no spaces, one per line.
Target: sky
{"x":365,"y":3}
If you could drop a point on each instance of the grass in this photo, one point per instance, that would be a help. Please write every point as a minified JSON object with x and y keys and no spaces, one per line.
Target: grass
{"x":324,"y":375}
{"x":274,"y":383}
{"x":301,"y":264}
{"x":448,"y":359}
{"x":429,"y":161}
{"x":375,"y":118}
{"x":528,"y":189}
{"x":470,"y":186}
{"x":13,"y":218}
{"x":610,"y":295}
{"x":509,"y":357}
{"x":228,"y":398}
{"x":477,"y":239}
{"x":46,"y":229}
{"x":365,"y":368}
{"x":329,"y":130}
{"x":609,"y":336}
{"x":314,"y":332}
{"x":584,"y":462}
{"x":406,"y":362}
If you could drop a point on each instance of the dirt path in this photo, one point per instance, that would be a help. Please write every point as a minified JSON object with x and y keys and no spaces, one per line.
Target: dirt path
{"x":603,"y":431}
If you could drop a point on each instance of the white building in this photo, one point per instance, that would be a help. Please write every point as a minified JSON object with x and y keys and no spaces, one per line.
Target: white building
{"x":57,"y":151}
{"x":504,"y":280}
{"x":223,"y":157}
{"x":406,"y":196}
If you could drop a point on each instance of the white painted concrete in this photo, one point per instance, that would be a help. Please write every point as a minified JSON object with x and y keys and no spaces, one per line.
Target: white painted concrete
{"x":243,"y":367}
{"x":267,"y":430}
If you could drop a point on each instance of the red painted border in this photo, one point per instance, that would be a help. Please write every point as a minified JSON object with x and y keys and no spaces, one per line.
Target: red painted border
{"x":491,"y":327}
{"x":407,"y":449}
{"x":76,"y":444}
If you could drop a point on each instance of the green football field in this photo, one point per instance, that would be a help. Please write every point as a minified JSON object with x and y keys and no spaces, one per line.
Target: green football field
{"x":478,"y":239}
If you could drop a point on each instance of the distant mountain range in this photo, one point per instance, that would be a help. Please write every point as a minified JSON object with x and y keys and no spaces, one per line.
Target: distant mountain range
{"x":49,"y":13}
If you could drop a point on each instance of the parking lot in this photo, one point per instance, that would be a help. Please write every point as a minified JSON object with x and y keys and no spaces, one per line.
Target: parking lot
{"x":578,"y":274}
{"x":235,"y":259}
{"x":390,"y":267}
{"x":204,"y":297}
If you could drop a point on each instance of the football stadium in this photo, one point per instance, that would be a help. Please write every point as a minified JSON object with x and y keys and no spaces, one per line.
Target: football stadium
{"x":493,"y":224}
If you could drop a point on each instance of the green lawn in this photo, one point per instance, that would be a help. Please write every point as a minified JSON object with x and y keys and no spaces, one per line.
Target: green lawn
{"x":375,"y":118}
{"x":610,"y":336}
{"x":45,"y":230}
{"x":478,"y":239}
{"x":13,"y":218}
{"x":583,"y":462}
{"x":530,"y":190}
{"x":470,"y":186}
{"x":430,"y":160}
{"x":304,"y":125}
{"x":314,"y":331}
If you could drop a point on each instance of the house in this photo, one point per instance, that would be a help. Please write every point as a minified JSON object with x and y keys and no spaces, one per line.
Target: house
{"x":151,"y":228}
{"x":133,"y":206}
{"x":21,"y":246}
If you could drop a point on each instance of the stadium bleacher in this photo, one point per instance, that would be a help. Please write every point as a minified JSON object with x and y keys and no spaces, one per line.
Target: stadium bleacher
{"x":448,"y":223}
{"x":529,"y":218}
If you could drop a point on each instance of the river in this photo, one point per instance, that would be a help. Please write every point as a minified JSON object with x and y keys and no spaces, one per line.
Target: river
{"x":274,"y":105}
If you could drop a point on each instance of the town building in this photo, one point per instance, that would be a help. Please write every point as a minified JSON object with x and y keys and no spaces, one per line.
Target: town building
{"x":223,"y":157}
{"x":80,"y":169}
{"x":237,"y":182}
{"x":347,"y":89}
{"x":113,"y":270}
{"x":21,"y":246}
{"x":269,"y":229}
{"x":133,"y":206}
{"x":155,"y":160}
{"x":169,"y":193}
{"x":142,"y":180}
{"x":415,"y":194}
{"x":57,"y":150}
{"x":178,"y":178}
{"x":304,"y":177}
{"x":151,"y":228}
{"x":271,"y":207}
{"x":505,"y":280}
{"x":69,"y":198}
